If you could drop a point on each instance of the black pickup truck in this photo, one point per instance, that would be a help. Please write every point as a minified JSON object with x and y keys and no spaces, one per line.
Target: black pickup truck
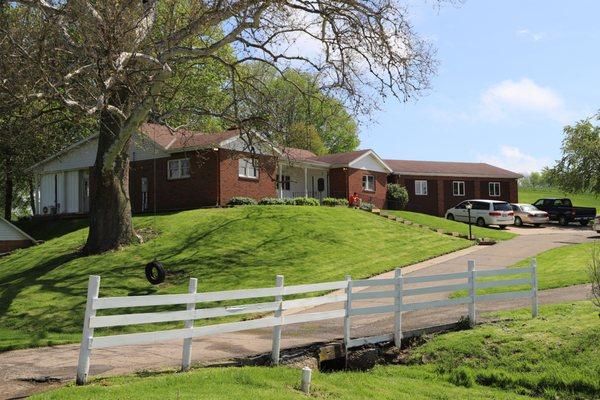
{"x":562,"y":210}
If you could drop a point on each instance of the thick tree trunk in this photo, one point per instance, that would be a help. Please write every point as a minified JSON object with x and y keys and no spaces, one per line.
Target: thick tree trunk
{"x":110,"y":209}
{"x":8,"y":189}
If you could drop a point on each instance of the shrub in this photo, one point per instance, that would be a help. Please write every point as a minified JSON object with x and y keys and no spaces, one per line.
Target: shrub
{"x":462,"y":376}
{"x":333,"y":202}
{"x":273,"y":201}
{"x":397,"y":196}
{"x":241,"y":201}
{"x":594,"y":271}
{"x":366,"y":206}
{"x":306,"y":201}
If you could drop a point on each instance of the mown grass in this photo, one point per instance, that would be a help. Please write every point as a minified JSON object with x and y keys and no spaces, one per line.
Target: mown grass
{"x":43,"y":288}
{"x":581,"y":199}
{"x":559,"y":267}
{"x":555,"y":356}
{"x":453,"y":226}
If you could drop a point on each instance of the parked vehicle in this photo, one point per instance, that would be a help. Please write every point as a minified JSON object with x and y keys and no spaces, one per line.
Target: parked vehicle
{"x":563,"y":211}
{"x":483,"y":213}
{"x":597,"y":224}
{"x":529,"y":214}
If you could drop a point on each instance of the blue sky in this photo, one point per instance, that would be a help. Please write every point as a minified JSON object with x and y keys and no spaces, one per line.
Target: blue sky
{"x":511,"y":75}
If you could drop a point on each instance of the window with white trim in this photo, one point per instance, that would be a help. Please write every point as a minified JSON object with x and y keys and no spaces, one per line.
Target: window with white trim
{"x":421,"y":188}
{"x":494,"y":189}
{"x":368,"y":183}
{"x":458,"y":188}
{"x":248,"y":168}
{"x":283,"y":182}
{"x":178,"y":169}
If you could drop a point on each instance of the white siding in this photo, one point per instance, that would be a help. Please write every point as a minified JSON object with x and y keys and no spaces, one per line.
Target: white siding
{"x":80,"y":157}
{"x":240,"y":145}
{"x":71,"y":192}
{"x":368,"y":162}
{"x":9,"y":232}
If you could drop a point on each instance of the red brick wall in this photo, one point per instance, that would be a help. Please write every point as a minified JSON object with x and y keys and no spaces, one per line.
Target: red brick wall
{"x":199,"y":190}
{"x":231,"y":185}
{"x":10,"y":245}
{"x":338,"y":183}
{"x":423,"y":204}
{"x":376,"y":197}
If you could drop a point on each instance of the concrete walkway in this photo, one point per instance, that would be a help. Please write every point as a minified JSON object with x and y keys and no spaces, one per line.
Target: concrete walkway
{"x":16,"y":367}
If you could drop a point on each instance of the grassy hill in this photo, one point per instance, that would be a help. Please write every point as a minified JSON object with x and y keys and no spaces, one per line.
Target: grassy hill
{"x":43,"y":289}
{"x":582,"y":200}
{"x":555,"y":356}
{"x":453,"y":226}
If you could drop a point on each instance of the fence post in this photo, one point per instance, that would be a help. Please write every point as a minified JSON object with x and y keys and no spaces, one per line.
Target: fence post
{"x":186,"y":357}
{"x":471,"y":278}
{"x":83,"y":365}
{"x":277,"y":328}
{"x":398,"y":301}
{"x":534,"y":288}
{"x":348,"y":308}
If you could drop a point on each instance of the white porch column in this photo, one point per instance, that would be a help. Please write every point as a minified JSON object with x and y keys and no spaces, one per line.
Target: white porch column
{"x":280,"y":183}
{"x":305,"y":182}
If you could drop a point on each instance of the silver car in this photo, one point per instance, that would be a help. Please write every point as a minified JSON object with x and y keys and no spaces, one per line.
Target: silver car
{"x":597,"y":224}
{"x":529,"y":214}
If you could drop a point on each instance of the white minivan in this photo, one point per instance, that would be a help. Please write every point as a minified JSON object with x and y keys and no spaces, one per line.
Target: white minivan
{"x":483,"y":213}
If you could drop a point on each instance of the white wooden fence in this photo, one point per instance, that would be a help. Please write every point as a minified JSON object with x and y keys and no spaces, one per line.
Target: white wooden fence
{"x":279,"y":305}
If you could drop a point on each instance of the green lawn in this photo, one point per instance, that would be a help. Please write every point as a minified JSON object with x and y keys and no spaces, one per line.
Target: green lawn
{"x":554,"y":357}
{"x":43,"y":288}
{"x":452,"y":226}
{"x":581,"y":200}
{"x":558,"y":267}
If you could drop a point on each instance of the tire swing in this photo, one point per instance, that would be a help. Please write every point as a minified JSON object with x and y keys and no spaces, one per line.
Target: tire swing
{"x":155,"y":270}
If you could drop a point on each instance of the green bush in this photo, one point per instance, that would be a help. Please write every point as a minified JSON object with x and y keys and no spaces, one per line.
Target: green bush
{"x":306,"y":201}
{"x":333,"y":202}
{"x":397,"y":196}
{"x":366,"y":206}
{"x":462,"y":376}
{"x":275,"y":201}
{"x":241,"y":201}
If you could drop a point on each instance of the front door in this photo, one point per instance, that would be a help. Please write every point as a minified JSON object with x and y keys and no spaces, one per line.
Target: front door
{"x":84,"y":192}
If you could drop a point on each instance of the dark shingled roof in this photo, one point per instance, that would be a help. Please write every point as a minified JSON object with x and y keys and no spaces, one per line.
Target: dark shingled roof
{"x":340,"y":158}
{"x":411,"y":167}
{"x":297,"y":154}
{"x":181,"y":138}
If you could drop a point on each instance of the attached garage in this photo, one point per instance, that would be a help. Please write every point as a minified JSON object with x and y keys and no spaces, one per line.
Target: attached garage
{"x":12,"y":238}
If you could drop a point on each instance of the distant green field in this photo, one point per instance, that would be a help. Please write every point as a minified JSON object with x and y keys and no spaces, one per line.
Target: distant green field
{"x":555,"y":356}
{"x":582,"y":200}
{"x":453,"y":226}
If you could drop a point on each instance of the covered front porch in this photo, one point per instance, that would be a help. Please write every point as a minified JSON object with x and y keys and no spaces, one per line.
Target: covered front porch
{"x":302,"y":180}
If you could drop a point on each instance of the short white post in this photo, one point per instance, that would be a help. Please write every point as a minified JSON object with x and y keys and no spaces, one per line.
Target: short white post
{"x":83,"y":365}
{"x":534,"y":288}
{"x":348,"y":308}
{"x":186,"y":357}
{"x":398,"y":301}
{"x":471,"y":278}
{"x":277,"y":328}
{"x":306,"y":378}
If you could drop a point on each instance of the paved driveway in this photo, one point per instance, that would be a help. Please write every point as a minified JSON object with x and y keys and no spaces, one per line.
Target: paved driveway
{"x":60,"y":361}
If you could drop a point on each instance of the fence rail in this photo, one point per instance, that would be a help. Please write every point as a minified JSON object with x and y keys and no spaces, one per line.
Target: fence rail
{"x":351,"y":298}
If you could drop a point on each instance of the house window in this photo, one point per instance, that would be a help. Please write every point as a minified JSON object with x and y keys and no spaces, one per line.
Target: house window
{"x":458,"y":188}
{"x":248,"y":168}
{"x":421,"y":188}
{"x":494,"y":189}
{"x":368,"y":183}
{"x":284,"y":182}
{"x":179,"y":169}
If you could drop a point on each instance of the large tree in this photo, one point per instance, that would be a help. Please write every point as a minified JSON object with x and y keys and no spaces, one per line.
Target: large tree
{"x":121,"y":55}
{"x":578,"y":170}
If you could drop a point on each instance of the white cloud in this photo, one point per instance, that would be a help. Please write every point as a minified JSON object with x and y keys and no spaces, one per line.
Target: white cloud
{"x":513,"y":159}
{"x":522,"y":97}
{"x":534,"y":36}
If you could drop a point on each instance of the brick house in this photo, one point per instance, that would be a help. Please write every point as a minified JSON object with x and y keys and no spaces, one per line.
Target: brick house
{"x":184,"y":170}
{"x":434,"y":186}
